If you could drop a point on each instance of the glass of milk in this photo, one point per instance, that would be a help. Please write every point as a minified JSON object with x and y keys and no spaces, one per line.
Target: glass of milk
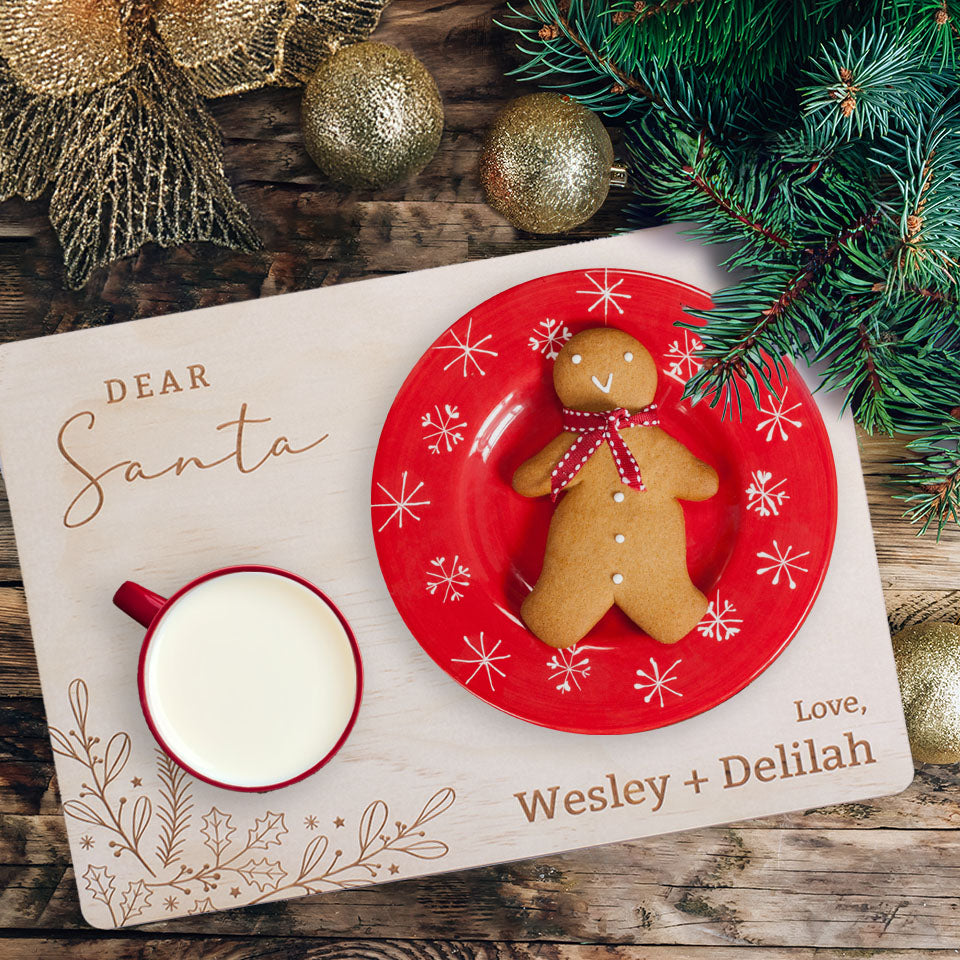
{"x":249,"y":677}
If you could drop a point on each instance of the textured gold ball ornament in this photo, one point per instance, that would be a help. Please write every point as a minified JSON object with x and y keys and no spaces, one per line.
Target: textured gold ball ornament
{"x":928,"y":664}
{"x":371,"y":115}
{"x":546,"y":163}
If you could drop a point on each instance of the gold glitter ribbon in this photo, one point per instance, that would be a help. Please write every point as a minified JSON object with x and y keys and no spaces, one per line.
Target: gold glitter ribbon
{"x":102,"y":100}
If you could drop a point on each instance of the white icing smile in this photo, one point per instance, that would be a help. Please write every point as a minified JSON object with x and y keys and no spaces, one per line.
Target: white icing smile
{"x":605,"y":387}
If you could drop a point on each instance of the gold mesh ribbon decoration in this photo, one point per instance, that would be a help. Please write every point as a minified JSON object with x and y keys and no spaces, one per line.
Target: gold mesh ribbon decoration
{"x":102,"y":100}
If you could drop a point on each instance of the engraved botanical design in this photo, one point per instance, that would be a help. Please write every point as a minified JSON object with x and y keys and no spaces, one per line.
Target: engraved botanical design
{"x":247,"y":862}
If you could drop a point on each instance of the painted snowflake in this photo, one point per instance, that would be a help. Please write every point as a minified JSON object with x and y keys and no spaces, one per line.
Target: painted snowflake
{"x":719,"y":622}
{"x":548,"y":338}
{"x":568,"y":666}
{"x":452,"y":579}
{"x":682,"y":362}
{"x":656,"y":682}
{"x":485,"y":660}
{"x":401,"y":504}
{"x":466,"y":351}
{"x":764,"y":497}
{"x":777,"y":416}
{"x":605,"y":293}
{"x":782,"y":562}
{"x":442,"y":427}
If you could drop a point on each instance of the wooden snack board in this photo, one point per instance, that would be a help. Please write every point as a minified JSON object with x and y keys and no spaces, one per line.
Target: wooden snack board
{"x":432,"y":779}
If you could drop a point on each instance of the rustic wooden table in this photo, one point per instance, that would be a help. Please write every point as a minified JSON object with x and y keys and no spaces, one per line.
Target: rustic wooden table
{"x":854,"y":880}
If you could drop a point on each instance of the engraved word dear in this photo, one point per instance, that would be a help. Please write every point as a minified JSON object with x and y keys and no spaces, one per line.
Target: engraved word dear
{"x":248,"y":448}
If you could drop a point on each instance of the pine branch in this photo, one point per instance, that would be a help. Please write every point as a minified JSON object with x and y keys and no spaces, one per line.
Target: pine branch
{"x":923,"y":163}
{"x":742,"y":343}
{"x":860,"y":82}
{"x":822,"y":142}
{"x":692,"y":178}
{"x":933,"y":481}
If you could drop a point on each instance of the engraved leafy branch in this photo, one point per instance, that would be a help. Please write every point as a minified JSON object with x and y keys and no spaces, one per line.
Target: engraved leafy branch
{"x":77,"y":744}
{"x":173,"y":809}
{"x":410,"y":839}
{"x":318,"y":869}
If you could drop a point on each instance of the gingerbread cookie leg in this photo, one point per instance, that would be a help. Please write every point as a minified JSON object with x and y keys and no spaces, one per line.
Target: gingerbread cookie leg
{"x":667,"y":612}
{"x":559,"y":615}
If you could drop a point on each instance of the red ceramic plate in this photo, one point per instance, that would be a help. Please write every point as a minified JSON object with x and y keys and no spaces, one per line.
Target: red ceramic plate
{"x":459,"y":549}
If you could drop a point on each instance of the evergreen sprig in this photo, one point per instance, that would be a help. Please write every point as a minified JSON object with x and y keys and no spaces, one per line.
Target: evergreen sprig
{"x":822,"y":140}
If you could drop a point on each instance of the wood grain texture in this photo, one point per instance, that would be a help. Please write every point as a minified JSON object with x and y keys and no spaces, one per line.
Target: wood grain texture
{"x":287,"y":948}
{"x":880,"y":878}
{"x":740,"y":884}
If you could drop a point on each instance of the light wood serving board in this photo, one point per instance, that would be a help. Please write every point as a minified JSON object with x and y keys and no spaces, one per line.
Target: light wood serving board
{"x":431,"y":779}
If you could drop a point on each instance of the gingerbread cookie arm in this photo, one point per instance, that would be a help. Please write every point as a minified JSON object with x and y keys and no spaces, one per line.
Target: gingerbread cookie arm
{"x":532,"y":478}
{"x":690,"y":478}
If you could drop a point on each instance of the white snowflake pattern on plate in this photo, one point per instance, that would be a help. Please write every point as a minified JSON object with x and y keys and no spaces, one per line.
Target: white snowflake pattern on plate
{"x":453,"y":579}
{"x":401,"y":504}
{"x":682,"y":363}
{"x":466,"y":351}
{"x":443,"y":427}
{"x":718,"y":622}
{"x":548,"y":338}
{"x":782,"y":562}
{"x":569,"y":667}
{"x":764,"y":497}
{"x":605,"y":293}
{"x":657,"y":682}
{"x":777,"y":416}
{"x":485,"y":659}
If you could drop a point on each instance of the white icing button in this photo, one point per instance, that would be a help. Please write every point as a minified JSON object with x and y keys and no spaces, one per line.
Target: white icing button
{"x":617,"y":578}
{"x":619,"y":538}
{"x":618,"y":497}
{"x":628,"y":356}
{"x":576,"y":358}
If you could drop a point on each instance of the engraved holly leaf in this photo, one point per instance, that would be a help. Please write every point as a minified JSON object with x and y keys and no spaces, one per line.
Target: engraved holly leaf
{"x":372,"y":822}
{"x":202,"y":906}
{"x":100,"y":883}
{"x":266,"y":830}
{"x":217,"y":829}
{"x":264,"y":874}
{"x":135,"y":899}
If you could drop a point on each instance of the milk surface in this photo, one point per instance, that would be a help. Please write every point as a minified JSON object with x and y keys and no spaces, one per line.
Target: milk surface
{"x":250,"y":678}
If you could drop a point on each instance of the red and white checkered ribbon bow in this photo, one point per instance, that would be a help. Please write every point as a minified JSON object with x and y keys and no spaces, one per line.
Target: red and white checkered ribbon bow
{"x":596,"y":429}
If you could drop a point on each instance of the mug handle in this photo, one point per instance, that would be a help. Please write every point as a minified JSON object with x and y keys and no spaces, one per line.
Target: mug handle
{"x":138,"y":602}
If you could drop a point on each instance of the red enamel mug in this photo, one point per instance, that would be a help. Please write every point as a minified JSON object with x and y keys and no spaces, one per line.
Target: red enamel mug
{"x":250,"y":678}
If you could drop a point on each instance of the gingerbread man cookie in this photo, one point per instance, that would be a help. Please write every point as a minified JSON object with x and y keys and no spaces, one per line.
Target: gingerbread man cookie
{"x":617,"y":535}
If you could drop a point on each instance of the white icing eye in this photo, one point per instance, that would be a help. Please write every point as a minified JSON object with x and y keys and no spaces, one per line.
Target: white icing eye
{"x":576,"y":358}
{"x":628,"y":356}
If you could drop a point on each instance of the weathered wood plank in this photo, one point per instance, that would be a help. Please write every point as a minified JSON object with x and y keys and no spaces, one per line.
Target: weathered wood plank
{"x":146,"y":947}
{"x":906,"y":561}
{"x":739,"y":885}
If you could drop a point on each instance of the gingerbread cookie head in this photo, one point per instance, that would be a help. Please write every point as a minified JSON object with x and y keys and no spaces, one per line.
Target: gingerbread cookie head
{"x":604,"y":368}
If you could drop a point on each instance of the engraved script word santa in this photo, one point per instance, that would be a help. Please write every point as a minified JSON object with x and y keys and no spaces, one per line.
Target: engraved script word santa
{"x":246,"y":454}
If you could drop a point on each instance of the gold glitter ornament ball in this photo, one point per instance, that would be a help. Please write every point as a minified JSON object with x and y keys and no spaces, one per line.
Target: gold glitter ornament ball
{"x":371,"y":115}
{"x":928,"y":664}
{"x":545,"y":163}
